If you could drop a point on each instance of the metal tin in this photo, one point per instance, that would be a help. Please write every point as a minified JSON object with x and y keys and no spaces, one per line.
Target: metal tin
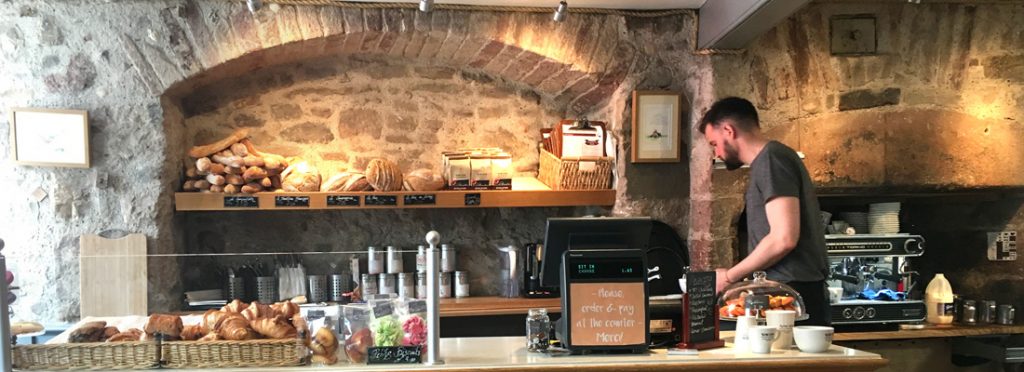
{"x":446,"y":285}
{"x":461,"y":284}
{"x":987,"y":312}
{"x":386,"y":285}
{"x":369,"y":285}
{"x":236,"y":288}
{"x":395,"y":264}
{"x":421,"y":285}
{"x":1006,"y":314}
{"x":317,"y":289}
{"x":406,"y":285}
{"x":266,"y":289}
{"x":421,"y":259}
{"x":968,"y":315}
{"x":339,"y":284}
{"x":447,"y":258}
{"x":374,"y":261}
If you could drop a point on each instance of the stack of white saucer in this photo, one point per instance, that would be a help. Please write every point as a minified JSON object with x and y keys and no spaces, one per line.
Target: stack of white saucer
{"x":884,"y":218}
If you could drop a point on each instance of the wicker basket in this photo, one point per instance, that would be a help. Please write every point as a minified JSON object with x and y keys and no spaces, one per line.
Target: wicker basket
{"x":91,"y":355}
{"x":565,"y":174}
{"x":220,"y":354}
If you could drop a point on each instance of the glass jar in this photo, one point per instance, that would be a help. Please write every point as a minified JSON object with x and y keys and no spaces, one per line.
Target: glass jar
{"x":421,"y":259}
{"x":445,"y":290}
{"x":395,"y":264}
{"x":387,"y":284}
{"x":406,"y":285}
{"x":374,"y":261}
{"x":969,"y":313}
{"x":538,"y":330}
{"x":368,"y":285}
{"x":754,"y":297}
{"x":461,"y":284}
{"x":447,"y":258}
{"x":421,"y":285}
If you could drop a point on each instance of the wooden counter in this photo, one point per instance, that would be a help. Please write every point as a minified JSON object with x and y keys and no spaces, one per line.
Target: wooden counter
{"x":507,"y":354}
{"x":930,"y":331}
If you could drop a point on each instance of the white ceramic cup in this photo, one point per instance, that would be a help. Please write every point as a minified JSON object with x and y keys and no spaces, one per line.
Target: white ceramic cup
{"x":813,"y":339}
{"x":761,"y":339}
{"x":835,"y":294}
{"x":744,"y":323}
{"x":782,"y":320}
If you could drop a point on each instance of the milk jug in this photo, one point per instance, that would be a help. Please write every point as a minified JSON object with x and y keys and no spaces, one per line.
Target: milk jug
{"x":938,"y":298}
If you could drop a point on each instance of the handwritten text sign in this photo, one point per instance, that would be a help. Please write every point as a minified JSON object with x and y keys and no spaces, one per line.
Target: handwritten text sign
{"x":700,"y":287}
{"x":607,"y":314}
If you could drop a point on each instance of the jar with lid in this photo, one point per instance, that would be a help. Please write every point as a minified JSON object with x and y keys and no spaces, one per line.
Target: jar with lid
{"x":406,"y":285}
{"x":461,"y":284}
{"x":368,"y":285}
{"x":987,"y":311}
{"x":445,"y":290}
{"x":421,"y":285}
{"x":538,"y":330}
{"x":374,"y":261}
{"x":421,"y":259}
{"x":969,"y":313}
{"x":447,"y":258}
{"x":395,"y":264}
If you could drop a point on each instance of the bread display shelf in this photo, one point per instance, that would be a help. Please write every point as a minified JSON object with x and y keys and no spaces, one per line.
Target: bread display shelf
{"x":526,"y":192}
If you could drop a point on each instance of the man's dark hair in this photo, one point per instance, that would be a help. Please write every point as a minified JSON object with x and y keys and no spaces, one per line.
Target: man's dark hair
{"x":739,"y":110}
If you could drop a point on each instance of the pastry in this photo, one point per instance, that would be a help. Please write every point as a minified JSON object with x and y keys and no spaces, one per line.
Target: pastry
{"x":167,"y":325}
{"x":384,"y":175}
{"x":236,"y":306}
{"x":213,"y":336}
{"x":192,"y":332}
{"x":109,"y":332}
{"x":88,"y":332}
{"x":257,"y":310}
{"x":273,"y":328}
{"x":285,"y":310}
{"x":324,"y":342}
{"x":211,"y":318}
{"x":234,"y":327}
{"x":133,"y":334}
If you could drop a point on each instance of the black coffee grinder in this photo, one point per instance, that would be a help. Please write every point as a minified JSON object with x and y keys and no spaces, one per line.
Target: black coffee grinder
{"x":532,"y":286}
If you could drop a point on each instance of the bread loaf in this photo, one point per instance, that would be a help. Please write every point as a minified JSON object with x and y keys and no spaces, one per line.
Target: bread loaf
{"x":252,"y":188}
{"x":253,"y":161}
{"x":335,"y":182}
{"x":384,"y":175}
{"x":423,"y":180}
{"x":300,"y":177}
{"x":239,"y":149}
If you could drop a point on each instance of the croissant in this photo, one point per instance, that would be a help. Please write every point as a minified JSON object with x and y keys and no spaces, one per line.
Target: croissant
{"x":234,"y":327}
{"x":273,"y":328}
{"x":257,"y":310}
{"x":324,"y":342}
{"x":236,"y":306}
{"x":285,"y":309}
{"x":167,"y":325}
{"x":212,"y":336}
{"x":210,"y":319}
{"x":133,"y":334}
{"x":299,"y":322}
{"x":192,"y":332}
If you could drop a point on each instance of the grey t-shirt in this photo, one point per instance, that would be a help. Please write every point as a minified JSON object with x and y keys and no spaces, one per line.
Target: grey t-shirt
{"x":778,"y":171}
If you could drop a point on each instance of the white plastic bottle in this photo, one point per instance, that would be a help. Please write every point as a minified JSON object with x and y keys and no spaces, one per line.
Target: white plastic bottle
{"x":938,"y":298}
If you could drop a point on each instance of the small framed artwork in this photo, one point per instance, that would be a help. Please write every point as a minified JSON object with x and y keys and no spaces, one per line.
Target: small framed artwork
{"x":853,"y":35}
{"x":656,"y":126}
{"x":50,"y":137}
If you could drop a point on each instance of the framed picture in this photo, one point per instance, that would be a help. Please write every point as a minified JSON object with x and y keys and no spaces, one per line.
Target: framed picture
{"x":656,"y":127}
{"x":50,"y":137}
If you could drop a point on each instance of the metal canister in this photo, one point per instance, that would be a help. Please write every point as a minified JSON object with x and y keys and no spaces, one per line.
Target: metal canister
{"x":1005,"y":315}
{"x":340,"y":283}
{"x":395,"y":264}
{"x":987,"y":312}
{"x":368,"y":285}
{"x":447,"y":258}
{"x":374,"y":261}
{"x":386,"y":285}
{"x":445,"y":290}
{"x":407,"y":285}
{"x":421,"y":285}
{"x":317,"y":289}
{"x":968,"y":315}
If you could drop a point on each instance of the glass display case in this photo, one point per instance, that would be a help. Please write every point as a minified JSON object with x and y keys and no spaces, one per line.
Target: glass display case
{"x":754,"y":297}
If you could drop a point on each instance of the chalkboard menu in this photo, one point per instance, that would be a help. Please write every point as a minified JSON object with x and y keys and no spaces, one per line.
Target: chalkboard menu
{"x":342,"y":200}
{"x":700,"y":312}
{"x":394,"y":355}
{"x":381,"y":200}
{"x":291,"y":201}
{"x":425,"y":199}
{"x":472,"y":199}
{"x":241,"y":202}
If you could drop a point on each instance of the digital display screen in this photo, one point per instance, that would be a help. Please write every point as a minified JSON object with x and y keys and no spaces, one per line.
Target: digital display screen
{"x":602,"y":268}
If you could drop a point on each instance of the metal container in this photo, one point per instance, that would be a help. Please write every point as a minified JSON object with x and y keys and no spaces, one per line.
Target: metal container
{"x":1005,"y":315}
{"x":421,"y":285}
{"x":447,"y":259}
{"x":368,"y":285}
{"x":395,"y":264}
{"x":374,"y":261}
{"x":969,"y":313}
{"x":987,"y":312}
{"x":236,"y":288}
{"x":317,"y":289}
{"x":407,"y":285}
{"x":386,"y":284}
{"x":266,"y":289}
{"x":339,"y":284}
{"x":461,"y":284}
{"x":446,"y":286}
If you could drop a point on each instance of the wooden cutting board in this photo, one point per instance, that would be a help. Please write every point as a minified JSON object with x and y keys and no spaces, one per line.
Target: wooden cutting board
{"x":113,"y":276}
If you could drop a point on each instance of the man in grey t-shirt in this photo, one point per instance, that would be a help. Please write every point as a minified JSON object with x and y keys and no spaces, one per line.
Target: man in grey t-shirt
{"x":786,"y":237}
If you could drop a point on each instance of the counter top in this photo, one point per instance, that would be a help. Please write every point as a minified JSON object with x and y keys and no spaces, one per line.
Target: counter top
{"x":929,"y":331}
{"x":509,"y":354}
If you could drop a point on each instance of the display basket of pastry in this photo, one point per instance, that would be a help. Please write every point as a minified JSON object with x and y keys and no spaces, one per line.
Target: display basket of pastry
{"x":93,"y":345}
{"x":754,"y":297}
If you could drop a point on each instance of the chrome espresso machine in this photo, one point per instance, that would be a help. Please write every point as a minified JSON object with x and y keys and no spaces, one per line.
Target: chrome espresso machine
{"x":871,"y":284}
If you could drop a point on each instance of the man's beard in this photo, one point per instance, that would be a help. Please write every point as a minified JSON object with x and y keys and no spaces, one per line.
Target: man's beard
{"x":732,"y":158}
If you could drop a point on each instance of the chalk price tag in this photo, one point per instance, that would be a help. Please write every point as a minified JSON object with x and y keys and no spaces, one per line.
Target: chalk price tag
{"x":472,"y":199}
{"x":394,"y":355}
{"x":381,"y":200}
{"x":342,"y":200}
{"x":425,"y":199}
{"x":241,"y":202}
{"x":291,"y":201}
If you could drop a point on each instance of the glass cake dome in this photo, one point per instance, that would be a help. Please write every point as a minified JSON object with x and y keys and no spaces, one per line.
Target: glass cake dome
{"x":756,"y":296}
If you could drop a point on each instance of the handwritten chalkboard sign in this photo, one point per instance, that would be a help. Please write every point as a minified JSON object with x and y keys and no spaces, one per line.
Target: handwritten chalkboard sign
{"x":342,"y":200}
{"x":394,"y":355}
{"x":425,"y":199}
{"x":382,"y":308}
{"x":291,"y":201}
{"x":381,"y":200}
{"x":700,"y":312}
{"x":241,"y":202}
{"x":472,"y":199}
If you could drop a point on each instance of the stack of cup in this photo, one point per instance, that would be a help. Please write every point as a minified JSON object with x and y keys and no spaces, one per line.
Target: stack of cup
{"x":744,"y":323}
{"x":782,"y":320}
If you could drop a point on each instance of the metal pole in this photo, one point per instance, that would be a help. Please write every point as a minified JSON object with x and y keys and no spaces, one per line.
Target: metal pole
{"x":5,"y":317}
{"x":433,"y":301}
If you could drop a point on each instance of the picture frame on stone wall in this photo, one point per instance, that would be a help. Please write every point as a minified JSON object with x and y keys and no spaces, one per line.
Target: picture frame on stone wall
{"x":656,"y":126}
{"x":50,"y":137}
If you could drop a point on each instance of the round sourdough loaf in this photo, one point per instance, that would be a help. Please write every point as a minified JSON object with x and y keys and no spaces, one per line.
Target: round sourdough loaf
{"x":384,"y":175}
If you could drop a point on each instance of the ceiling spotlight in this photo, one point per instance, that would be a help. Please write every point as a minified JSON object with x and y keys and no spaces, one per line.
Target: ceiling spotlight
{"x":254,"y":5}
{"x":426,"y":5}
{"x":561,"y":12}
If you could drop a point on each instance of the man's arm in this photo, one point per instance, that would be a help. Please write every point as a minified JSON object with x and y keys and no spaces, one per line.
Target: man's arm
{"x":783,"y":214}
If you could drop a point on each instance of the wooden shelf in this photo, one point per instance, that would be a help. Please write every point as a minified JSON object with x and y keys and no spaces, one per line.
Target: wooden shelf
{"x":526,"y":192}
{"x":479,"y":306}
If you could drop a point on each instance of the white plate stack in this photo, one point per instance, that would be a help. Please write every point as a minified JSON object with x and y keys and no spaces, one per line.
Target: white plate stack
{"x":884,"y":218}
{"x":857,"y":220}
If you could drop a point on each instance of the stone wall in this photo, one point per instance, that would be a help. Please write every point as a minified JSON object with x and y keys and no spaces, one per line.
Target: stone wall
{"x":923,"y":114}
{"x":156,"y":76}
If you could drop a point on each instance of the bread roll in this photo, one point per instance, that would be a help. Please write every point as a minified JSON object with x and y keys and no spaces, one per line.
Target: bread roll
{"x":384,"y":175}
{"x":300,"y":177}
{"x":423,"y":180}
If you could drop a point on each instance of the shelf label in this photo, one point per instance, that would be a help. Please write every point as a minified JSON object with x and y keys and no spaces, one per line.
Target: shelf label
{"x":394,"y":355}
{"x":381,"y":200}
{"x":425,"y":199}
{"x":291,"y":201}
{"x":473,"y":198}
{"x":241,"y":202}
{"x":342,"y":200}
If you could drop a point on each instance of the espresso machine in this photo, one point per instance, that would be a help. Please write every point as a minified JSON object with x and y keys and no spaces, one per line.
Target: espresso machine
{"x":872,"y":273}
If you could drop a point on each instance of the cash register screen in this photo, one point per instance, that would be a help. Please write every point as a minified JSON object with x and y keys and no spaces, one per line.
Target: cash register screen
{"x":607,"y":307}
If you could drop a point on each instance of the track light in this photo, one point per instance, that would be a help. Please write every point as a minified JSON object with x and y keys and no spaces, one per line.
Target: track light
{"x":254,"y":5}
{"x":561,"y":11}
{"x":426,"y":5}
